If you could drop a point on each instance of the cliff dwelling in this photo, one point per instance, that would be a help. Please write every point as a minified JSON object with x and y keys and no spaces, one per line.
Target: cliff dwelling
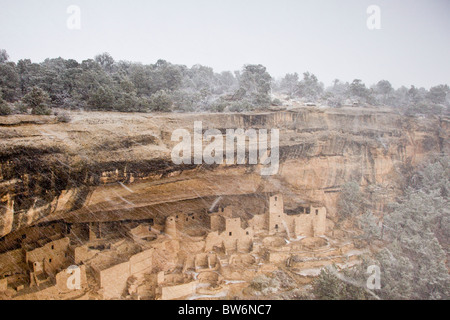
{"x":143,"y":228}
{"x":207,"y":252}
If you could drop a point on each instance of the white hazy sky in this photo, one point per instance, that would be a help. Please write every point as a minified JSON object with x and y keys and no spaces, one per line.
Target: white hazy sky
{"x":327,"y":37}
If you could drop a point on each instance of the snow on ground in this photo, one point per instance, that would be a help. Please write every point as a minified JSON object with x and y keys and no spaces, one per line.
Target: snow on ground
{"x":348,"y":264}
{"x":217,"y":295}
{"x":233,"y":281}
{"x":309,"y":272}
{"x":356,"y":252}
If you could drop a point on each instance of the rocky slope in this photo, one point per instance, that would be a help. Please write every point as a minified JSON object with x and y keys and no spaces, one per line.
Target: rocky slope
{"x":104,"y":164}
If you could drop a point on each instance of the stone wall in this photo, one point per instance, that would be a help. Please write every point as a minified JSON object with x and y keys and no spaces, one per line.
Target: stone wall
{"x":63,"y":277}
{"x":113,"y":281}
{"x":51,"y":257}
{"x":178,"y":291}
{"x":234,"y":238}
{"x":311,"y":223}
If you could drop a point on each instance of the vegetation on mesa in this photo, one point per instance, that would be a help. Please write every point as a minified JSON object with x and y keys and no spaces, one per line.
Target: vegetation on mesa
{"x":108,"y":85}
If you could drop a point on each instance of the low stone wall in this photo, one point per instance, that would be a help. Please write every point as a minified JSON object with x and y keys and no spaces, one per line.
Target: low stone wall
{"x":113,"y":281}
{"x":178,"y":291}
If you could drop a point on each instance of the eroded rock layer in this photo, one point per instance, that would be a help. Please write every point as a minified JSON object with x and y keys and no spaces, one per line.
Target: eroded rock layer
{"x":107,"y":164}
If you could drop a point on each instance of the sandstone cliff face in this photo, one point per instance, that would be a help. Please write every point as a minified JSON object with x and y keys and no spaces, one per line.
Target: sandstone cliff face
{"x":104,"y":163}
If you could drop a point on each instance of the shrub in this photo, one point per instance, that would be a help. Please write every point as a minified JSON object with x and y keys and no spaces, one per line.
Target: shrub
{"x":36,"y":97}
{"x":264,"y":285}
{"x":101,"y":98}
{"x":5,"y":110}
{"x":21,"y":108}
{"x":63,"y":117}
{"x":218,"y":106}
{"x":328,"y":286}
{"x":41,"y":111}
{"x":240,"y":106}
{"x":351,"y":201}
{"x":161,"y":102}
{"x":70,"y":103}
{"x":277,"y":102}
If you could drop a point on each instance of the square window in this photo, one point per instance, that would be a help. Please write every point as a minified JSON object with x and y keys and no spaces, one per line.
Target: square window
{"x":231,"y":233}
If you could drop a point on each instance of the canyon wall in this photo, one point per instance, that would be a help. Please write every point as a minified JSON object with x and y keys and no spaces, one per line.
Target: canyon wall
{"x":108,"y":165}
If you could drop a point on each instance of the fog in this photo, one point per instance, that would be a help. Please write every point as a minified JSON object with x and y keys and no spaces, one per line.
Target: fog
{"x":328,"y":38}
